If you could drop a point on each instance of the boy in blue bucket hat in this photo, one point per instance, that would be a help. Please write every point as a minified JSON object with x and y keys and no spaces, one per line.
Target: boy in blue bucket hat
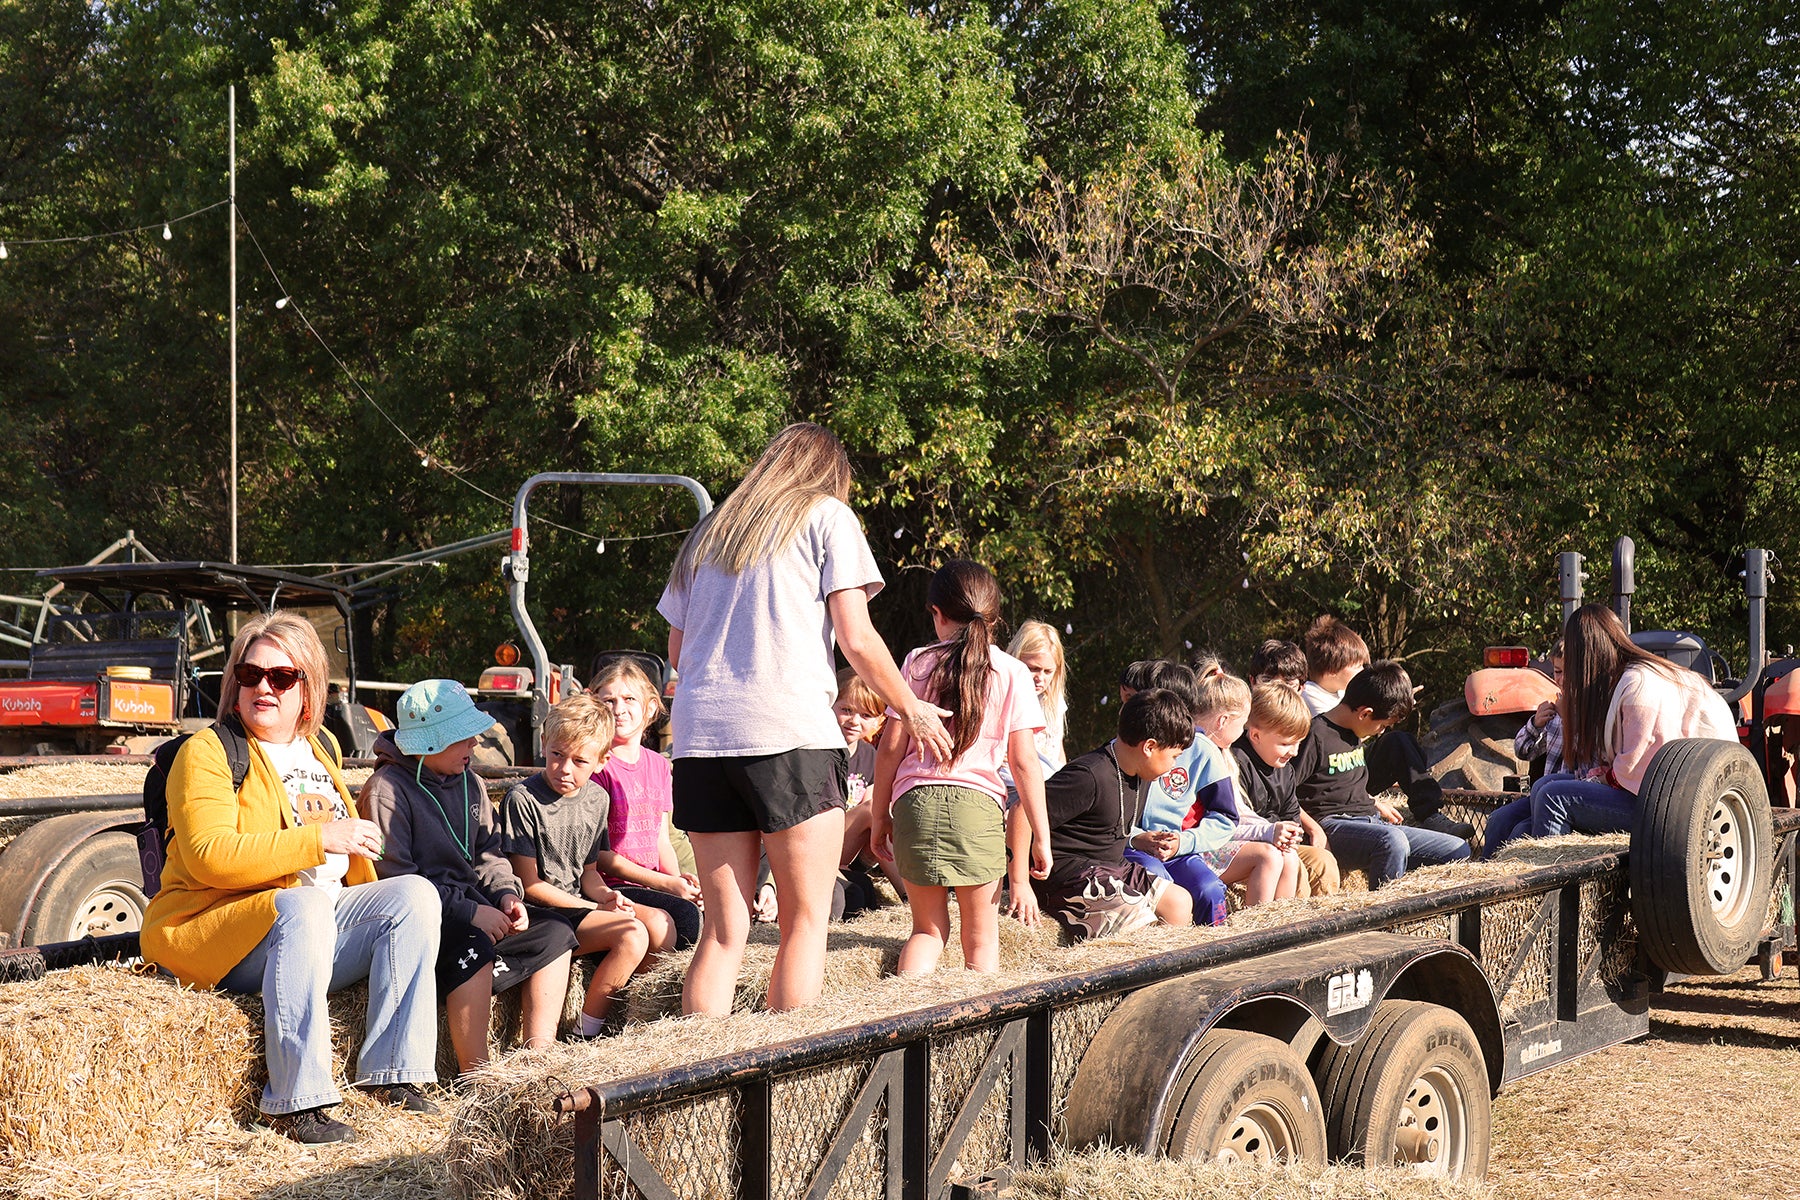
{"x":438,"y":822}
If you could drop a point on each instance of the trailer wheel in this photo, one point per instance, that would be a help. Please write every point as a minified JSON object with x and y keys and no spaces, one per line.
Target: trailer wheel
{"x":1412,"y":1093}
{"x":1245,"y":1098}
{"x":97,"y":889}
{"x":1701,"y":842}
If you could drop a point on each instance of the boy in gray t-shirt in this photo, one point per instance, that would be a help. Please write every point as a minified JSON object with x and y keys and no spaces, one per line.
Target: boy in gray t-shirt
{"x":552,"y":825}
{"x":561,"y":833}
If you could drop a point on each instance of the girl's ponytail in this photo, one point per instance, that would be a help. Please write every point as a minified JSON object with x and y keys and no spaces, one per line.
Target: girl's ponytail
{"x":967,"y":593}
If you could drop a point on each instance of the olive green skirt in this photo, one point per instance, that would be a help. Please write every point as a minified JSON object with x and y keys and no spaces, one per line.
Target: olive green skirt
{"x":946,"y":836}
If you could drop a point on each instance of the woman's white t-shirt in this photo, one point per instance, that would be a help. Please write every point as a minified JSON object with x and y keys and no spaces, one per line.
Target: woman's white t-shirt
{"x":758,"y":673}
{"x":312,"y":800}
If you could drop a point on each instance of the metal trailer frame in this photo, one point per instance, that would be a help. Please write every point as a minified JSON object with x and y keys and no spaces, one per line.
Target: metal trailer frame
{"x":515,"y":567}
{"x":949,"y":1101}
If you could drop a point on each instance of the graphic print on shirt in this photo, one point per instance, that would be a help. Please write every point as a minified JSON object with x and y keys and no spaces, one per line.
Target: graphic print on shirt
{"x":1346,"y":760}
{"x":1175,"y":782}
{"x":313,"y":800}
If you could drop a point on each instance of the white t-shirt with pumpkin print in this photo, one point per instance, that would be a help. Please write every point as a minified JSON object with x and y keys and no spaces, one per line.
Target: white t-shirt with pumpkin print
{"x":313,"y":800}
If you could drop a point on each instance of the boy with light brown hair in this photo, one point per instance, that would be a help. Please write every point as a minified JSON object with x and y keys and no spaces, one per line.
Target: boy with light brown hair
{"x":555,"y":824}
{"x":1273,"y":735}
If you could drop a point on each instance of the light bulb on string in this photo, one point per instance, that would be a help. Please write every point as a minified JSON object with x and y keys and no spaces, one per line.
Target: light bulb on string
{"x":601,"y":548}
{"x":282,"y":302}
{"x":2,"y":249}
{"x":167,"y":232}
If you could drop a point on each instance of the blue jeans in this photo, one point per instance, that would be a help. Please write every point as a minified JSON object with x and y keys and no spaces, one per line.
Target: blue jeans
{"x":386,"y":931}
{"x":1384,"y":851}
{"x":1512,"y":820}
{"x":1563,"y":804}
{"x":1189,"y":872}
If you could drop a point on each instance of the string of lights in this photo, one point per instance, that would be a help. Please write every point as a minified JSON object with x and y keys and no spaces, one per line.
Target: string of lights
{"x":285,"y":301}
{"x":167,"y":232}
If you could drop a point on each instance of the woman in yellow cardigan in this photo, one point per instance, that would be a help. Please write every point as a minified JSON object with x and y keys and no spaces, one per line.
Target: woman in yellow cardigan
{"x":271,"y":890}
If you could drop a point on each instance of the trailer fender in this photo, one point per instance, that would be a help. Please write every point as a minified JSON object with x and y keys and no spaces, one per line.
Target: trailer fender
{"x":1122,"y":1093}
{"x":32,"y":861}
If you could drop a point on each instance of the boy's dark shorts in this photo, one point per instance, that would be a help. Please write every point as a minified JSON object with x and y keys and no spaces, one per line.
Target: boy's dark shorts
{"x":464,"y":950}
{"x":765,"y":793}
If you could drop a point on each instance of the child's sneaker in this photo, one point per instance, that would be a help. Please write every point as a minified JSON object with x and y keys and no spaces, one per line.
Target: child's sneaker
{"x":310,"y":1127}
{"x":399,"y":1095}
{"x":1437,"y":822}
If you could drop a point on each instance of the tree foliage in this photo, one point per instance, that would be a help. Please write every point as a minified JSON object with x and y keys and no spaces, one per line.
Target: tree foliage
{"x":1193,"y":320}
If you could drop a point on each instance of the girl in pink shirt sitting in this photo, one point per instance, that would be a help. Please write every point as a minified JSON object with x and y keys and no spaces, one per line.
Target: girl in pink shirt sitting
{"x":947,"y":827}
{"x":1620,"y":704}
{"x":641,"y":865}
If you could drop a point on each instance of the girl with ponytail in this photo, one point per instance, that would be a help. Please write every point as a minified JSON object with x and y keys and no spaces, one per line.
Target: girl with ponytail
{"x":943,"y":823}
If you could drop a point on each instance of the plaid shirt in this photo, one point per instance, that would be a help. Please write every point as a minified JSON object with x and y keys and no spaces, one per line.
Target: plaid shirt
{"x":1531,"y":741}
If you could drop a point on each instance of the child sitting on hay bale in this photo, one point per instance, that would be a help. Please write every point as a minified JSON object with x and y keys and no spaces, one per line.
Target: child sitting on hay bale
{"x":437,"y":821}
{"x":1277,"y":728}
{"x":1365,"y":833}
{"x":1092,"y":889}
{"x":1192,"y":813}
{"x":639,"y":859}
{"x":555,"y":824}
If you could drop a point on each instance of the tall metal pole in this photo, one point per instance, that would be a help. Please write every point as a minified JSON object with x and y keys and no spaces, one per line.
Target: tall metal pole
{"x":231,"y":225}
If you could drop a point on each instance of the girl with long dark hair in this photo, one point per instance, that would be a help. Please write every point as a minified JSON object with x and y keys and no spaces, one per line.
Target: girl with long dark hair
{"x":947,"y":827}
{"x":1620,"y":704}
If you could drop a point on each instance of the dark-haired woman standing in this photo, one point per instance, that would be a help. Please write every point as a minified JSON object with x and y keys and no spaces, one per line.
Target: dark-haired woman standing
{"x":762,"y":588}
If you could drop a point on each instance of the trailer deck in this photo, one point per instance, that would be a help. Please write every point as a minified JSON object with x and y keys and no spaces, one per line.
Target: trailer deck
{"x":950,"y":1100}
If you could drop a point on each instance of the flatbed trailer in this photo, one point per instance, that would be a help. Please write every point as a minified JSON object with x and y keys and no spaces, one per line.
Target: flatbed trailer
{"x":1376,"y":1033}
{"x":1394,"y":1023}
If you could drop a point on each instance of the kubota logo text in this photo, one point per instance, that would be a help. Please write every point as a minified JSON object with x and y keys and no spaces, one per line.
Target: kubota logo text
{"x":22,"y":704}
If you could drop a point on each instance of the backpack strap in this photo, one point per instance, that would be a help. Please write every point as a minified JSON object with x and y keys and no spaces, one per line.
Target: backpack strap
{"x":237,"y":750}
{"x":328,"y":741}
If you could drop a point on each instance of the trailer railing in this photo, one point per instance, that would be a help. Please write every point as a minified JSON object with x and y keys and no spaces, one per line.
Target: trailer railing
{"x":946,"y":1099}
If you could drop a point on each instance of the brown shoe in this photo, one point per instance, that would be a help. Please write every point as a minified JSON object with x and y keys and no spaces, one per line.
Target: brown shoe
{"x":310,"y":1127}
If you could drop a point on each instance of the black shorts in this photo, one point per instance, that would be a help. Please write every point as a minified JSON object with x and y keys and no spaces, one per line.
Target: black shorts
{"x":464,"y":950}
{"x":765,"y":793}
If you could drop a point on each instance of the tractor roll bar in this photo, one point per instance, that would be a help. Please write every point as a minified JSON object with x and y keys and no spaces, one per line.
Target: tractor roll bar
{"x":1758,"y":570}
{"x":1570,"y":575}
{"x":1624,"y":579}
{"x":516,"y":568}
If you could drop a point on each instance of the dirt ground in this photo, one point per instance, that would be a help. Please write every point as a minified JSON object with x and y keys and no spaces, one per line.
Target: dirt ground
{"x":1702,"y":1108}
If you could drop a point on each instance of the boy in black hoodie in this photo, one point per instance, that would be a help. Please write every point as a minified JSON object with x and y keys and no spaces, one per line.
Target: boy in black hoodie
{"x":437,"y":822}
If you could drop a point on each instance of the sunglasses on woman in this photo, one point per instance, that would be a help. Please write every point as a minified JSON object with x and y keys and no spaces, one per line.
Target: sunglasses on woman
{"x":280,"y":678}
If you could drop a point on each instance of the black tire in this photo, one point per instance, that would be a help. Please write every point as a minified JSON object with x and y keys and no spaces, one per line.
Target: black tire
{"x":1244,"y":1097}
{"x":1701,"y":853}
{"x":1471,"y":752}
{"x":1411,"y":1093}
{"x":98,"y":888}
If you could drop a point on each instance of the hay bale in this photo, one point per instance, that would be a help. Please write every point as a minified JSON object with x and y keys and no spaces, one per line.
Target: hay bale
{"x":1547,"y":852}
{"x":397,"y":1156}
{"x":72,"y":779}
{"x":506,"y":1140}
{"x":858,"y":954}
{"x":109,"y":1057}
{"x":1115,"y":1175}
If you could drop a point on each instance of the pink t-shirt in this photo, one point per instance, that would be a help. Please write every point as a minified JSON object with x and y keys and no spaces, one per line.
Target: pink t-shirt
{"x":642,"y":799}
{"x":1012,"y":705}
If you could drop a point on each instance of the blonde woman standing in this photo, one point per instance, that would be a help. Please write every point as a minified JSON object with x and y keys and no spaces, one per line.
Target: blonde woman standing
{"x":762,"y":589}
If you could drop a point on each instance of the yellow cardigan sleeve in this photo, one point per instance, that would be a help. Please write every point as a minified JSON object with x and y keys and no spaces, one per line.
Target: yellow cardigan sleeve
{"x":232,"y":842}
